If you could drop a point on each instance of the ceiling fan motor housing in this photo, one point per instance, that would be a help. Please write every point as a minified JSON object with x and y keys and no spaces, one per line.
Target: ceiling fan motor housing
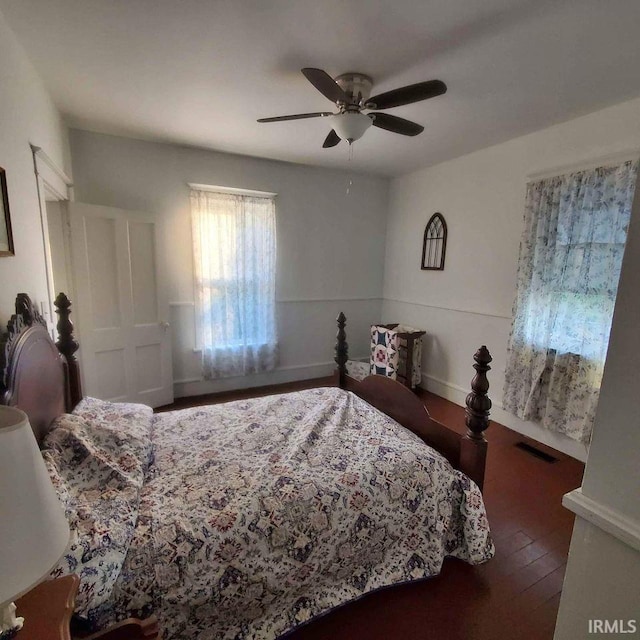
{"x":357,"y":86}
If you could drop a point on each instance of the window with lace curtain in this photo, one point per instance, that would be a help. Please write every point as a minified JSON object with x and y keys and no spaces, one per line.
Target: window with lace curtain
{"x":234,"y":243}
{"x":575,"y":229}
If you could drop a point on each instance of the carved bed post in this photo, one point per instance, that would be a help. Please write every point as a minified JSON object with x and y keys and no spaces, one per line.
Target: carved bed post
{"x":342,"y":350}
{"x":67,"y":345}
{"x":473,"y":451}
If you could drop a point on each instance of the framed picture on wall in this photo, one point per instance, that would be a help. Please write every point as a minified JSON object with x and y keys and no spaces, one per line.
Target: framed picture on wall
{"x":434,"y":244}
{"x":6,"y":239}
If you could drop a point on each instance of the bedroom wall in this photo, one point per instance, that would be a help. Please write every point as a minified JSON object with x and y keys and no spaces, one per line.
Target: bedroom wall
{"x":481,"y":196}
{"x":602,"y":580}
{"x":27,"y":115}
{"x":330,"y":243}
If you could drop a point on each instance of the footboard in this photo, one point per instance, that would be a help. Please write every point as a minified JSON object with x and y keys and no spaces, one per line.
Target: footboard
{"x":467,"y":453}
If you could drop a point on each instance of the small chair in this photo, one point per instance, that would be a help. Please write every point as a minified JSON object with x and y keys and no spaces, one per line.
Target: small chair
{"x":396,"y":352}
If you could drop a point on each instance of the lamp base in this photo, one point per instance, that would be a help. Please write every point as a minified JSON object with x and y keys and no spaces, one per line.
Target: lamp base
{"x":9,"y":624}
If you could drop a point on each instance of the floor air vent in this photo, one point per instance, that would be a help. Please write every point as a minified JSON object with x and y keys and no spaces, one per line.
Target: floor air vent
{"x":536,"y":452}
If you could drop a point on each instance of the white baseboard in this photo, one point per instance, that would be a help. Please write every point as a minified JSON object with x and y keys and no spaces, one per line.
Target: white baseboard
{"x":279,"y":376}
{"x":289,"y":373}
{"x":457,"y":394}
{"x":614,"y":523}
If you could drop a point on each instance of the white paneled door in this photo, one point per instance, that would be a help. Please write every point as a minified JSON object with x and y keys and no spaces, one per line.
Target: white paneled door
{"x":121,"y":310}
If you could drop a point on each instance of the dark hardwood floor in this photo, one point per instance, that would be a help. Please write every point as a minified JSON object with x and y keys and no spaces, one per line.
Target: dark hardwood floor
{"x":515,"y":595}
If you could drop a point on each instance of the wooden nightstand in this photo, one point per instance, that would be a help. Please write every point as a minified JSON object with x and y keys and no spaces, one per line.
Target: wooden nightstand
{"x":47,"y":609}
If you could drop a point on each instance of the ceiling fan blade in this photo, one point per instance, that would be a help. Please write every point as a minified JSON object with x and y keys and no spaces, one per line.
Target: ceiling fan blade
{"x":331,"y":140}
{"x":325,"y":84}
{"x":408,"y":95}
{"x":395,"y":124}
{"x":297,"y":116}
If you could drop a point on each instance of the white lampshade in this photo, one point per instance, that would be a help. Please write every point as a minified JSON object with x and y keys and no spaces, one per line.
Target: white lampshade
{"x":33,"y":529}
{"x":350,"y":125}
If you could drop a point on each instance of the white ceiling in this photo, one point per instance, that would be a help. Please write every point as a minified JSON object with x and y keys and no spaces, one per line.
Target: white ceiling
{"x":200,"y":72}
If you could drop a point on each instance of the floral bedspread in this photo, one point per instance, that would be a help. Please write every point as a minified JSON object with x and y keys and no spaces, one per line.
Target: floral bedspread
{"x":258,"y":515}
{"x":97,"y":460}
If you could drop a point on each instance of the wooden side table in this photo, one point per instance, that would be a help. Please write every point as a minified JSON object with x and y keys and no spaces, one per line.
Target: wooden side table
{"x":47,"y":609}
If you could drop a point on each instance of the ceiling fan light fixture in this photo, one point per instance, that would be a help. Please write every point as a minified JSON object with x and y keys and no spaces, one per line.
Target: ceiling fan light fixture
{"x":350,"y":92}
{"x":351,"y":125}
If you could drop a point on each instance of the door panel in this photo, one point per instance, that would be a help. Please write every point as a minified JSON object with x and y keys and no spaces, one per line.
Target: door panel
{"x":100,"y":238}
{"x":125,"y":345}
{"x":143,"y":273}
{"x":110,"y":384}
{"x":148,"y":368}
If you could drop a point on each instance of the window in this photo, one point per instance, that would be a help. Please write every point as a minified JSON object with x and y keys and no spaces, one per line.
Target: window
{"x":581,"y":284}
{"x":570,"y":259}
{"x":234,"y":238}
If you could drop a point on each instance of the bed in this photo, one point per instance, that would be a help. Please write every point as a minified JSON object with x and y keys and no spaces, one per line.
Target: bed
{"x":251,"y":518}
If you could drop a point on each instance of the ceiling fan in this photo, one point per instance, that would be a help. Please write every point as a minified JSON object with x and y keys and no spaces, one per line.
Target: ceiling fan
{"x":350,"y":92}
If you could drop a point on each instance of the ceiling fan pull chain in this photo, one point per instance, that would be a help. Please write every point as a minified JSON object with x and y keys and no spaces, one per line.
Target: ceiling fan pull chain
{"x":350,"y":168}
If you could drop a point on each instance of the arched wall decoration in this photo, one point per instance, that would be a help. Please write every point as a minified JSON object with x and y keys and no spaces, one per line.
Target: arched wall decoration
{"x":434,"y":244}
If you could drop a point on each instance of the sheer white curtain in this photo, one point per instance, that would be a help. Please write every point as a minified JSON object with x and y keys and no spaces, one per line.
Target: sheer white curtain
{"x":570,"y":259}
{"x":234,"y":239}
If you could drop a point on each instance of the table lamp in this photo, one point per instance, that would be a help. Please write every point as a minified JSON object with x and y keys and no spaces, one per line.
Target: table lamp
{"x":34,"y":532}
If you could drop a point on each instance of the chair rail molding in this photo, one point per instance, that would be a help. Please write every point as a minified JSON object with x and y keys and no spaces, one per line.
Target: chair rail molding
{"x":609,"y":520}
{"x":443,"y":308}
{"x":190,"y":303}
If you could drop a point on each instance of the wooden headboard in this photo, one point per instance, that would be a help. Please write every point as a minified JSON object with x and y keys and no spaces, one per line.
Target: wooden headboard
{"x":39,"y":376}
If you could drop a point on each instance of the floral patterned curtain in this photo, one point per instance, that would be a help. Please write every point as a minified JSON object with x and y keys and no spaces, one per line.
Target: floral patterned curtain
{"x":570,"y":258}
{"x":234,"y":239}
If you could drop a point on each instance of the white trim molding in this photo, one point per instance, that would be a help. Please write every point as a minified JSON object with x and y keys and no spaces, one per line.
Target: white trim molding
{"x":447,"y":390}
{"x":289,"y":367}
{"x":40,"y":154}
{"x":334,"y":299}
{"x":457,"y":310}
{"x":457,"y":394}
{"x":231,"y":190}
{"x":51,"y":180}
{"x":189,"y":303}
{"x":612,"y":522}
{"x":281,"y":375}
{"x":197,"y":387}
